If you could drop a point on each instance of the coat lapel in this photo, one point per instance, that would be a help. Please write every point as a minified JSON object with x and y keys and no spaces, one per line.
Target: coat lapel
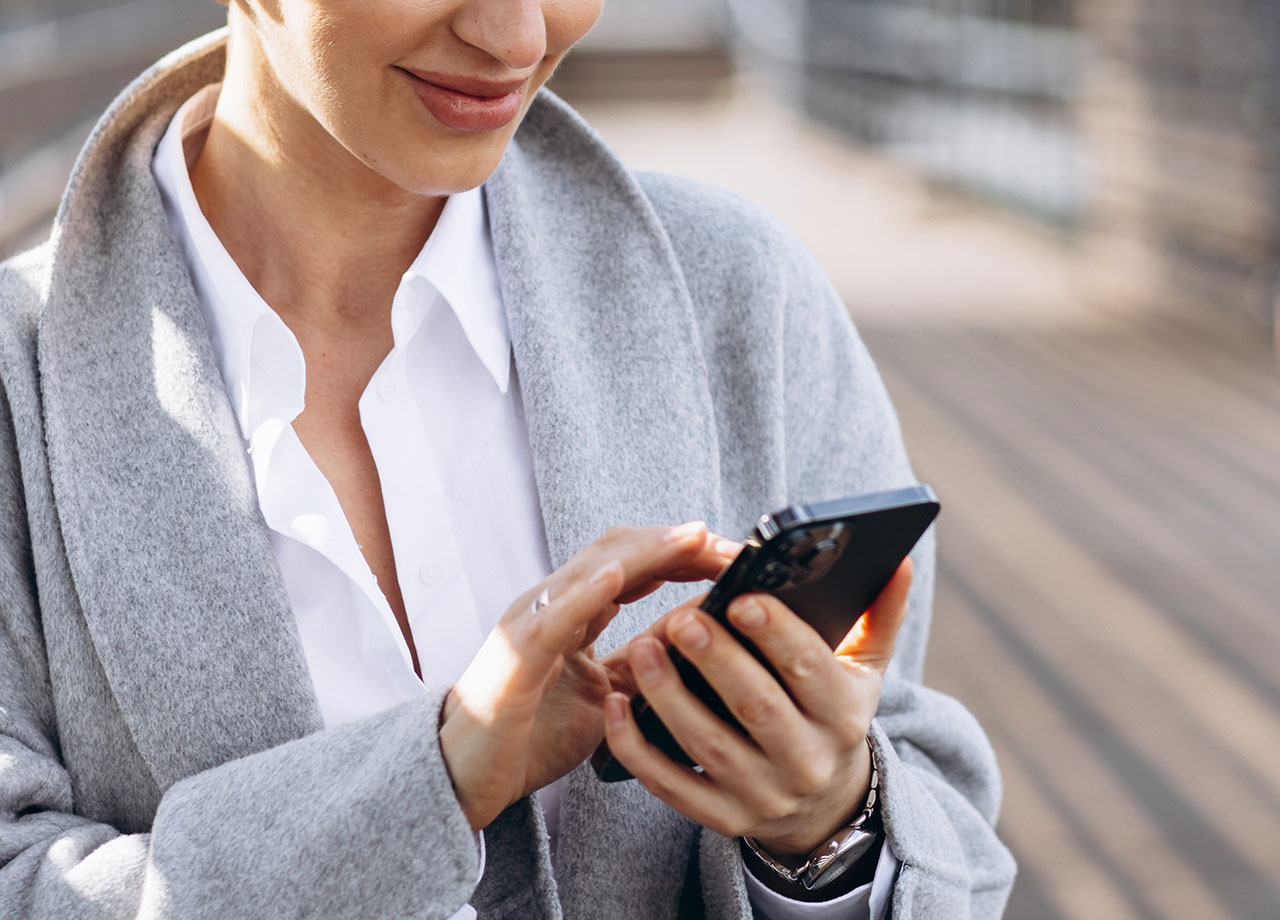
{"x":170,"y":559}
{"x":621,"y":427}
{"x":608,"y":351}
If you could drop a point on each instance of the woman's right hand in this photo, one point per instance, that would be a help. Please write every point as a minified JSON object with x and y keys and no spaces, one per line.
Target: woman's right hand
{"x":529,"y":707}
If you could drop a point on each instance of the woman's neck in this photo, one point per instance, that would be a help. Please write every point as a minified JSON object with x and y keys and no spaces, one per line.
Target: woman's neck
{"x":322,"y":237}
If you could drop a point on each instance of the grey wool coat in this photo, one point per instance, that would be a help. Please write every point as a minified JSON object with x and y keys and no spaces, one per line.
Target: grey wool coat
{"x":162,"y":753}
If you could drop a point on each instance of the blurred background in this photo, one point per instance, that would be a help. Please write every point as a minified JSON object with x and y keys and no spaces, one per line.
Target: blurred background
{"x":1057,"y":225}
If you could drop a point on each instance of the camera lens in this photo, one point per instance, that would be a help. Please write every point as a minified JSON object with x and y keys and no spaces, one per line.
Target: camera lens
{"x":788,"y":543}
{"x":820,"y":558}
{"x":773,"y":576}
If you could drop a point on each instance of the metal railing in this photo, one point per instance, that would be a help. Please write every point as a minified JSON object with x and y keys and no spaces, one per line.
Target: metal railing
{"x":983,"y":98}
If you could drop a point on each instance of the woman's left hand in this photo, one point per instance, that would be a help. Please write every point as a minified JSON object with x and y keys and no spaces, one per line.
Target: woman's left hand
{"x":805,"y":771}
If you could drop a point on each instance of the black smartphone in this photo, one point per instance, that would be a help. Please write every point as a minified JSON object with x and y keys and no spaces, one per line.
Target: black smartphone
{"x":827,"y":561}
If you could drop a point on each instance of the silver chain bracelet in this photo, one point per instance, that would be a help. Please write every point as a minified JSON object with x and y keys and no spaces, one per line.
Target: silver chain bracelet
{"x":831,"y":858}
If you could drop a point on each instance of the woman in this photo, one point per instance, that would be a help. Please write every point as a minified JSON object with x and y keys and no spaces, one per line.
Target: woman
{"x":293,"y":410}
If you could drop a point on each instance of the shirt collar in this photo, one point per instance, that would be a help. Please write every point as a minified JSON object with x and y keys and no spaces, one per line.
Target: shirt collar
{"x":261,"y":362}
{"x":458,"y":262}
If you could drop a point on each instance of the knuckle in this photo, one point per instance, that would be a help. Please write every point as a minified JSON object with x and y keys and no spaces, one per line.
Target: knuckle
{"x":812,"y":775}
{"x":535,"y":630}
{"x":713,"y":753}
{"x":803,"y":664}
{"x":585,"y":566}
{"x":575,"y":569}
{"x":659,"y":785}
{"x":736,"y":825}
{"x":687,"y":549}
{"x":777,"y":807}
{"x":760,"y":710}
{"x":851,"y":732}
{"x":615,"y":534}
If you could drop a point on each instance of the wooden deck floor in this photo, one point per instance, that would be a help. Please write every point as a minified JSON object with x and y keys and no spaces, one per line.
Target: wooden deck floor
{"x":1109,"y":600}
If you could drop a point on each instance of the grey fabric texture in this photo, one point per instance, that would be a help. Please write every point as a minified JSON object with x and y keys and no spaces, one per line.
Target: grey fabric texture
{"x":162,"y":753}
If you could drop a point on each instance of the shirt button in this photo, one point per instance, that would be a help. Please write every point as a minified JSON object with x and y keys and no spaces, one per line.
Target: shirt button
{"x":386,"y":389}
{"x":431,"y":574}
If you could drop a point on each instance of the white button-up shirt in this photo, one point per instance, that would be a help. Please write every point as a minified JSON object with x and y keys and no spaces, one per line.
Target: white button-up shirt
{"x":444,"y":422}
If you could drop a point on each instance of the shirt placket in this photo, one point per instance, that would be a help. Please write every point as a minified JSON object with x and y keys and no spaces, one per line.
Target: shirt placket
{"x":433,"y":580}
{"x":298,"y":503}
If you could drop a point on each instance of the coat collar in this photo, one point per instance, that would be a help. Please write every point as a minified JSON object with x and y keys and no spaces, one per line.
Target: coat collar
{"x":170,"y":560}
{"x":606,"y":345}
{"x":169,"y":556}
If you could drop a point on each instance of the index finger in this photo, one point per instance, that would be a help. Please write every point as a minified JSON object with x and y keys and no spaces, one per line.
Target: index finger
{"x":651,"y":556}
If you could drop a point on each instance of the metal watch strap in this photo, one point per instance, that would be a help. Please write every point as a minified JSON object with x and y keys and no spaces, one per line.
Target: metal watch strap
{"x":840,"y":851}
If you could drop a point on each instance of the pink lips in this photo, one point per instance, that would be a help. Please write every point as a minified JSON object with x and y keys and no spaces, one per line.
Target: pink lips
{"x":467,"y":104}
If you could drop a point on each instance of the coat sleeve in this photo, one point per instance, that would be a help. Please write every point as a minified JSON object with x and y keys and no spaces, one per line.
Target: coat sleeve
{"x":357,"y":821}
{"x":819,"y":413}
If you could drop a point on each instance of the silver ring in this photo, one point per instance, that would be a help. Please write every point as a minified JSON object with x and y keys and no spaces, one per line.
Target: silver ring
{"x":540,"y":601}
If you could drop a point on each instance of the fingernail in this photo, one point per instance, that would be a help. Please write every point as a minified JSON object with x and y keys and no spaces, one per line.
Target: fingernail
{"x":684,"y":531}
{"x":604,"y":572}
{"x":615,"y":709}
{"x":749,"y":614}
{"x":691,"y":634}
{"x":728,"y":547}
{"x":647,"y":662}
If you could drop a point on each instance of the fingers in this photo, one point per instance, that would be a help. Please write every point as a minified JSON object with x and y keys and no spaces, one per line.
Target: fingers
{"x":651,"y":556}
{"x":752,"y":694}
{"x":872,"y":639}
{"x":717,"y":553}
{"x":804,"y":761}
{"x":733,"y":795}
{"x":623,"y":565}
{"x":815,"y":680}
{"x":734,"y":761}
{"x":697,"y":796}
{"x":539,"y":639}
{"x":739,"y":785}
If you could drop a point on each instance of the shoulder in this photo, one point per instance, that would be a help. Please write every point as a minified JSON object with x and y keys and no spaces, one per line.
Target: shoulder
{"x":754,"y":284}
{"x":561,"y":164}
{"x":722,"y":233}
{"x":776,"y":331}
{"x":751,"y":280}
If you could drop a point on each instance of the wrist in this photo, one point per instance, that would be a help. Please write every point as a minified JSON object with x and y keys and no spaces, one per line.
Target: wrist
{"x":862,"y":872}
{"x":794,"y":848}
{"x":855,"y":843}
{"x":456,"y":749}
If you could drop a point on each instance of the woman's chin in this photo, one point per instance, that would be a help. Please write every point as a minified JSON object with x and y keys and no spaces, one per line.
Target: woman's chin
{"x":428,"y":173}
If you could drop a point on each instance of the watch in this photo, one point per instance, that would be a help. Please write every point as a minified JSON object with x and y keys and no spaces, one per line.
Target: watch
{"x":838,"y":852}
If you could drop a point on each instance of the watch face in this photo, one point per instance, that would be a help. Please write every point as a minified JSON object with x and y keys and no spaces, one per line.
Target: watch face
{"x":855,"y":846}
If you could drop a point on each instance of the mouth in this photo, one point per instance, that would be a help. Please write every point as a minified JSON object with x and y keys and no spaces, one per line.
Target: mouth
{"x":466,"y":103}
